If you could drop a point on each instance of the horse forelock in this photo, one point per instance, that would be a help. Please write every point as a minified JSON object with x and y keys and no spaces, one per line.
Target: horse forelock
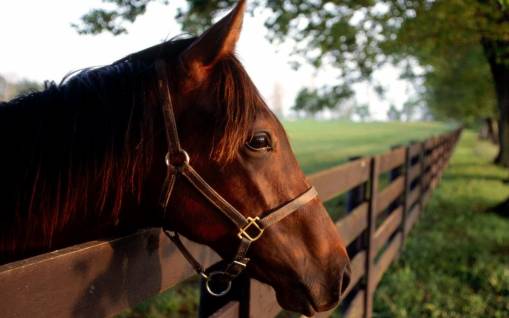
{"x":237,"y":104}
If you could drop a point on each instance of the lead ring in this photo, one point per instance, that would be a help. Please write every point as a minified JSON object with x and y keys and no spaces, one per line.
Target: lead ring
{"x":209,"y":289}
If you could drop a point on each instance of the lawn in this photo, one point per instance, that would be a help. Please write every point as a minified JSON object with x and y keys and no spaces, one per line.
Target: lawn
{"x":319,"y":145}
{"x":456,"y":260}
{"x":323,"y":144}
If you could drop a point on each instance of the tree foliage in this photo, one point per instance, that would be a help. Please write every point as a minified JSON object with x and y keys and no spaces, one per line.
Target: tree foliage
{"x":9,"y":90}
{"x":394,"y":114}
{"x":459,"y":47}
{"x":315,"y":100}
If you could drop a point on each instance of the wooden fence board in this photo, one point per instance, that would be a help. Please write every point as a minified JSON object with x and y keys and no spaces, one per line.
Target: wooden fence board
{"x":96,"y":279}
{"x":392,"y":159}
{"x":332,"y":182}
{"x":413,"y":197}
{"x":389,"y":194}
{"x":415,"y":149}
{"x":358,"y":267}
{"x":390,"y":225}
{"x":230,"y":310}
{"x":414,"y":172}
{"x":352,"y":225}
{"x":386,"y":259}
{"x":262,"y":302}
{"x":411,"y":218}
{"x":356,"y":308}
{"x":429,"y":144}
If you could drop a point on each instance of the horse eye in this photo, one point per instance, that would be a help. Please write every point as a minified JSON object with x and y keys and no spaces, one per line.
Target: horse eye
{"x":260,"y":141}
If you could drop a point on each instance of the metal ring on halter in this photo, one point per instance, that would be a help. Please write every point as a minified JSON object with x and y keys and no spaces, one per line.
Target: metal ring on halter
{"x":211,"y":278}
{"x":184,"y":162}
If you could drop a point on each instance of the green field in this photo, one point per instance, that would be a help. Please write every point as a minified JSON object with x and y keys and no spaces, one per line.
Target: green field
{"x":455,"y":260}
{"x":323,"y":144}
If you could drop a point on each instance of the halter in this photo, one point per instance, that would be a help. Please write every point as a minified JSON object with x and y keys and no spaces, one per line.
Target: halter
{"x":250,"y":228}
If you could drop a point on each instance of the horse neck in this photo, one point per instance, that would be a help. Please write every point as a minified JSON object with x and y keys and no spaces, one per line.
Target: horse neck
{"x":73,"y":164}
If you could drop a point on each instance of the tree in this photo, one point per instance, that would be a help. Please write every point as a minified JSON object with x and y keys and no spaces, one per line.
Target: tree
{"x":9,"y":90}
{"x":358,"y":36}
{"x":394,"y":114}
{"x":314,"y":100}
{"x":362,"y":111}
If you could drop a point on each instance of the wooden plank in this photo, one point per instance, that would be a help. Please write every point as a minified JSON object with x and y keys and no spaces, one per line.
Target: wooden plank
{"x":428,"y":160}
{"x":415,"y":149}
{"x":414,"y":172}
{"x":356,"y":308}
{"x":411,"y":218}
{"x":390,"y":225}
{"x":262,"y":302}
{"x":358,"y":267}
{"x":334,"y":181}
{"x":96,"y":279}
{"x":370,"y":252}
{"x":352,"y":225}
{"x":413,"y":197}
{"x":386,"y":259}
{"x":429,"y":143}
{"x":392,"y":159}
{"x":230,"y":310}
{"x":426,"y":196}
{"x":389,"y":194}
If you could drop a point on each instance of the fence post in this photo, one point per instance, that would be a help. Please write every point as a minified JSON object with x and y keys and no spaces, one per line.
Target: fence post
{"x":422,"y":182}
{"x":408,"y":165}
{"x":354,"y":197}
{"x":370,"y":252}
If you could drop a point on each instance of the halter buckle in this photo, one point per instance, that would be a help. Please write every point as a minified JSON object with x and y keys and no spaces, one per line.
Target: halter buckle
{"x":247,"y":230}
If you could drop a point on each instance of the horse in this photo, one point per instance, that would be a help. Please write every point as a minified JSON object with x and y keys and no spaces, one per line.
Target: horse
{"x":103,"y":153}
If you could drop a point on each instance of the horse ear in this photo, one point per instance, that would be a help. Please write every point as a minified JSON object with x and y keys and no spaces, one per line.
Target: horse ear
{"x":215,"y":43}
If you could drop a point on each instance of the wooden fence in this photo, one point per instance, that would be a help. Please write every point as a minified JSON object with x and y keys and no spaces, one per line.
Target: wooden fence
{"x":384,"y":196}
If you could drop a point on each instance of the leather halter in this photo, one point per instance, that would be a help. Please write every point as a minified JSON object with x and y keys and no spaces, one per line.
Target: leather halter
{"x":250,"y":229}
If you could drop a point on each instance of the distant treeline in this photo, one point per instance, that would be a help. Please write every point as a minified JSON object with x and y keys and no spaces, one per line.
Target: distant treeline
{"x":11,"y":89}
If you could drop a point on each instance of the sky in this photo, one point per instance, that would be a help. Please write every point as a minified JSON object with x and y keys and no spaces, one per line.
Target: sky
{"x":37,"y":42}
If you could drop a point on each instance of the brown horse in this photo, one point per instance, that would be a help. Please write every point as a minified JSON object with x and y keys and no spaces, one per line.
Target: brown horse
{"x":85,"y":159}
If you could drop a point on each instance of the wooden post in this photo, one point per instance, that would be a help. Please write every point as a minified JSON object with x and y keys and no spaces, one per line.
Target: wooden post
{"x":422,"y":183}
{"x":370,"y":251}
{"x":408,"y":165}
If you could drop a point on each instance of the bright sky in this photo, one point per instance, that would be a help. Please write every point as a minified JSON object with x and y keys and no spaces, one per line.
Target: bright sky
{"x":38,"y":43}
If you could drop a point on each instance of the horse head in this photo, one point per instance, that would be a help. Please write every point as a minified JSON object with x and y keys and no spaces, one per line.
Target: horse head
{"x":239,"y":147}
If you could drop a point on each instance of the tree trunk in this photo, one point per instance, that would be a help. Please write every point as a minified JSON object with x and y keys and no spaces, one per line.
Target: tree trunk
{"x":489,"y":131}
{"x":500,"y":72}
{"x":492,"y":130}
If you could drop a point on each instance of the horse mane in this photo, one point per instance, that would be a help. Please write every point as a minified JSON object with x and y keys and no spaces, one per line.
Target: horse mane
{"x":76,"y":153}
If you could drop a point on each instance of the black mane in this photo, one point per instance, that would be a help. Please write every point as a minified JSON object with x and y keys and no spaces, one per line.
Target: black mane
{"x":77,"y":153}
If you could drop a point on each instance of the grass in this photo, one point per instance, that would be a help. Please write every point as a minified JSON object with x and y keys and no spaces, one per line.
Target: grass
{"x":456,"y":260}
{"x":320,"y":145}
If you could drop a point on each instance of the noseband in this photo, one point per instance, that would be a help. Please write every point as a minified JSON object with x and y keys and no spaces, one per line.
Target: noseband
{"x":218,"y":283}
